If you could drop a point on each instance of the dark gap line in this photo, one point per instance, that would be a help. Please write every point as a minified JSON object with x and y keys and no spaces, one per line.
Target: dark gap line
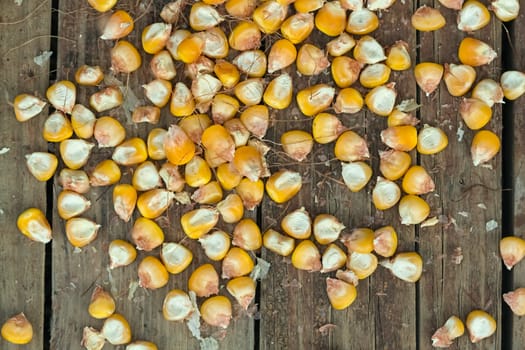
{"x":257,"y":319}
{"x":507,"y":184}
{"x":48,"y":269}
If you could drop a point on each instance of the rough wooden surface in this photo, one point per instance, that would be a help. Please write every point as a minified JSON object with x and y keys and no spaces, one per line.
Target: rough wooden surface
{"x":517,"y":113}
{"x":387,"y":314}
{"x":22,"y":260}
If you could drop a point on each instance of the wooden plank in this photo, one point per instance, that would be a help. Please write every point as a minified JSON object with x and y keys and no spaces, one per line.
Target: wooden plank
{"x":76,"y":273}
{"x":466,"y":198}
{"x":24,"y":34}
{"x":517,"y":120}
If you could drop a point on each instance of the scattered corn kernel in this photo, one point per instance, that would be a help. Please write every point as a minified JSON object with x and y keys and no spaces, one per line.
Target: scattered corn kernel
{"x":480,"y":325}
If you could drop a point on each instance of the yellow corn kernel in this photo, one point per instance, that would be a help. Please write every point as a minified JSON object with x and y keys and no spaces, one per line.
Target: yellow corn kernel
{"x":224,"y":107}
{"x":385,"y":241}
{"x":247,"y":235}
{"x":459,"y":78}
{"x":190,"y":49}
{"x":231,"y":208}
{"x":513,"y":84}
{"x":124,"y":201}
{"x":210,"y":193}
{"x":62,"y":95}
{"x":360,"y":240}
{"x":356,"y":175}
{"x":89,"y":75}
{"x":326,"y":128}
{"x":204,"y":281}
{"x":351,"y":147}
{"x":177,"y":305}
{"x":283,"y":185}
{"x":116,"y":330}
{"x":480,"y":325}
{"x":71,"y":204}
{"x":428,"y":76}
{"x":175,"y":257}
{"x":179,"y":148}
{"x":17,"y":330}
{"x":340,"y":45}
{"x":375,"y":5}
{"x":141,"y":345}
{"x":198,"y":222}
{"x":473,"y":16}
{"x":251,"y":192}
{"x":362,"y":21}
{"x":215,"y":244}
{"x":204,"y":16}
{"x":452,"y":4}
{"x":215,"y":43}
{"x":158,"y":91}
{"x":121,"y":253}
{"x":102,"y":5}
{"x":57,"y":128}
{"x":74,"y":180}
{"x":369,"y":51}
{"x":381,"y":99}
{"x":42,"y":165}
{"x":108,"y":132}
{"x":33,"y":224}
{"x":413,"y":210}
{"x":203,"y":88}
{"x":400,"y":138}
{"x":431,"y":140}
{"x":452,"y":329}
{"x":242,"y":289}
{"x":282,"y":54}
{"x":327,"y":228}
{"x":485,"y":145}
{"x":238,"y":132}
{"x":245,"y":36}
{"x":248,"y":162}
{"x":146,"y":114}
{"x":305,"y":6}
{"x":427,"y":19}
{"x":155,"y":36}
{"x":162,"y":65}
{"x":394,"y":164}
{"x":374,"y":75}
{"x":405,"y":266}
{"x":251,"y":62}
{"x":298,"y":27}
{"x":256,"y":119}
{"x":155,"y":143}
{"x":417,"y":181}
{"x":488,"y":91}
{"x":105,"y":173}
{"x":250,"y":91}
{"x":345,"y":71}
{"x":102,"y":304}
{"x":227,"y":176}
{"x":236,"y":263}
{"x":385,"y":194}
{"x":106,"y":99}
{"x":341,"y":294}
{"x":125,"y":58}
{"x":217,"y":311}
{"x":130,"y":152}
{"x":197,"y":172}
{"x":512,"y":250}
{"x":331,"y":18}
{"x":152,"y":273}
{"x":348,"y":100}
{"x":80,"y":232}
{"x":182,"y":103}
{"x":474,"y":52}
{"x":118,"y":26}
{"x":475,"y":113}
{"x":171,"y":177}
{"x":311,"y":60}
{"x":279,"y":92}
{"x":297,"y":144}
{"x":218,"y":140}
{"x":398,"y":57}
{"x":333,"y":258}
{"x":306,"y":256}
{"x":154,"y":203}
{"x":194,"y":125}
{"x":297,"y":224}
{"x":269,"y":16}
{"x":278,"y":243}
{"x":505,"y":10}
{"x":516,"y":301}
{"x":27,"y":106}
{"x":398,"y":117}
{"x":174,"y":41}
{"x":75,"y":153}
{"x":362,"y":264}
{"x":146,"y":234}
{"x":315,"y":99}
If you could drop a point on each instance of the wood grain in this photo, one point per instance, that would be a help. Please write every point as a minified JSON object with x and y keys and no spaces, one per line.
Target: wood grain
{"x":22,"y":261}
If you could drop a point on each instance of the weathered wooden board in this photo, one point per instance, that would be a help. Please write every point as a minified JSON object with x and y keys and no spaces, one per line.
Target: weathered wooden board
{"x":24,"y":34}
{"x":76,"y":273}
{"x":466,"y":199}
{"x":517,"y":115}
